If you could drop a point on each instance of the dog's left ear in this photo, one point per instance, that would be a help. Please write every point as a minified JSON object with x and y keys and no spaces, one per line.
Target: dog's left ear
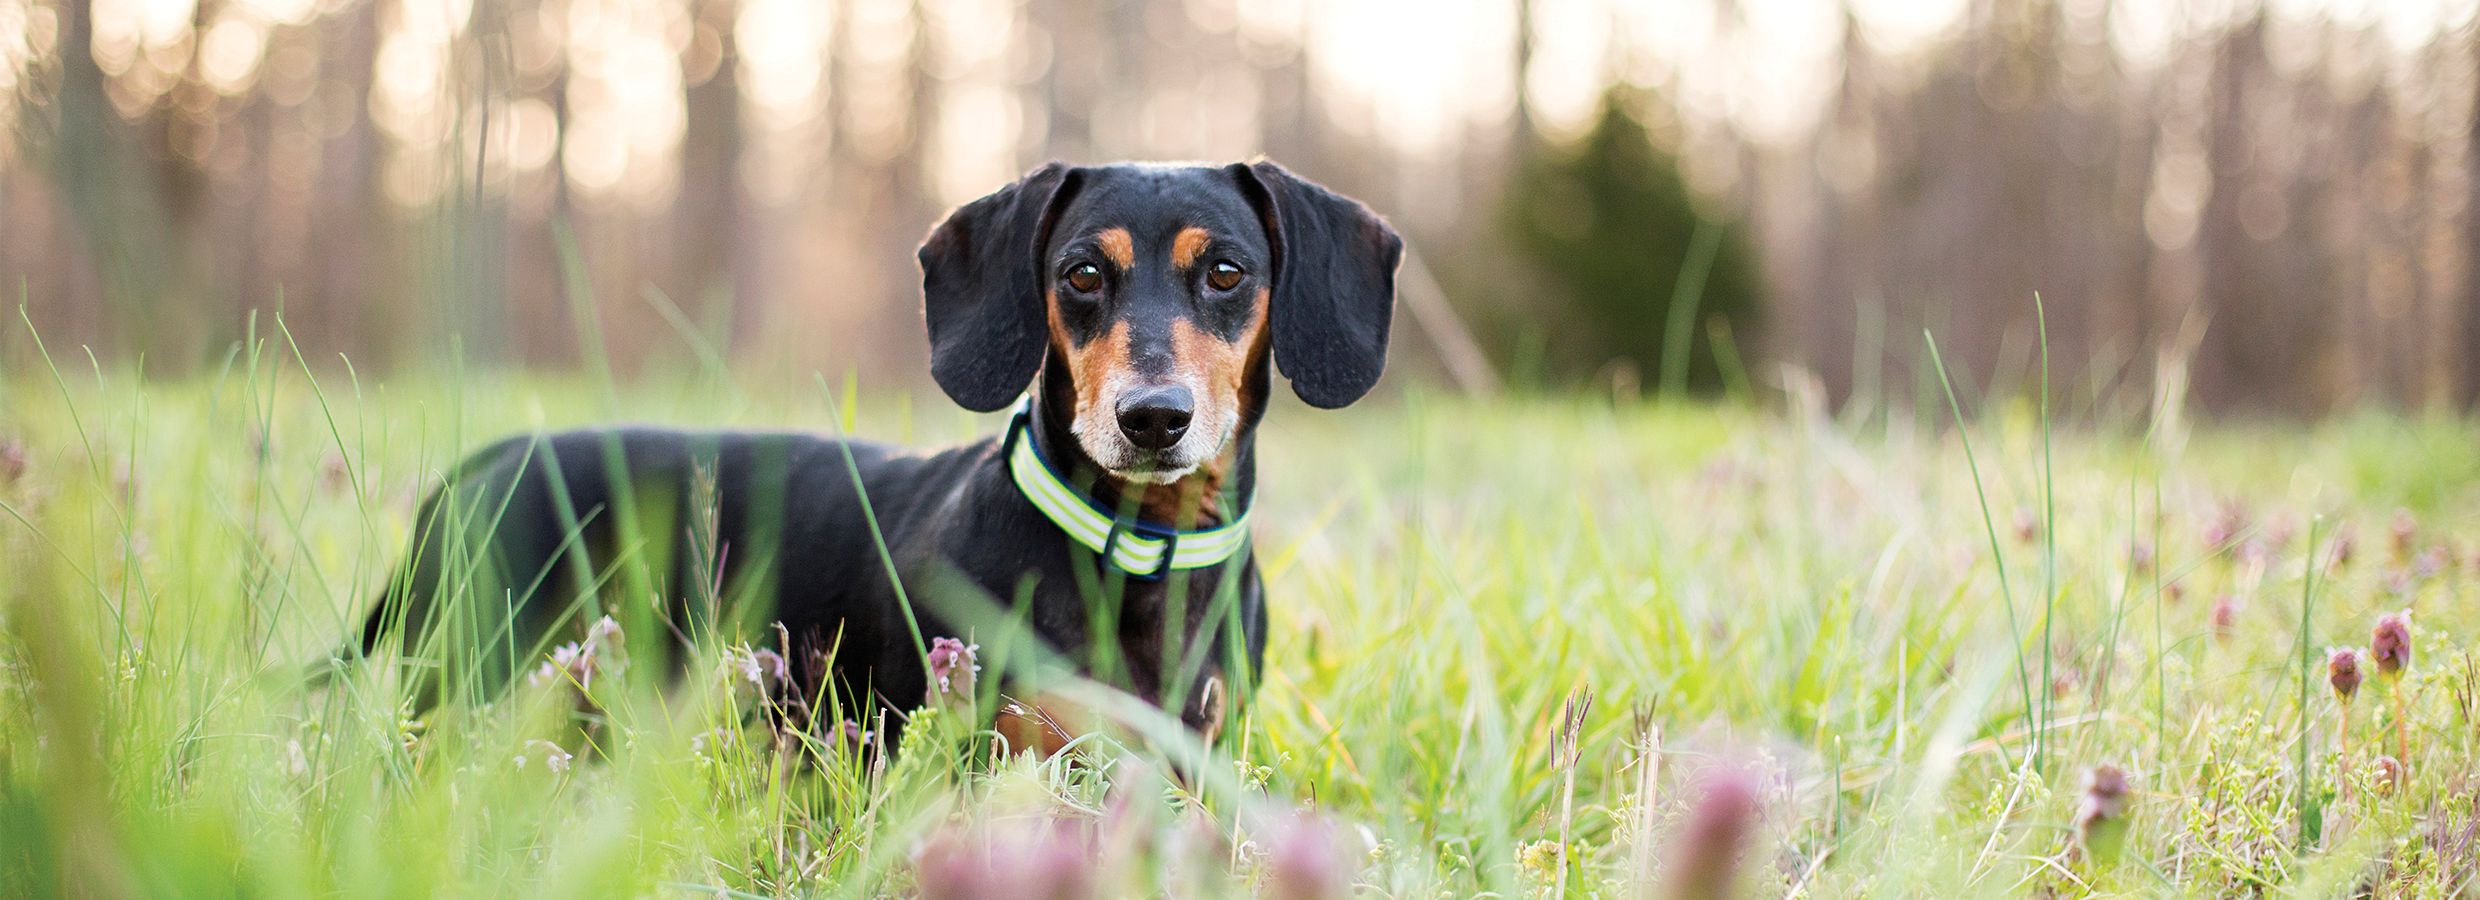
{"x":1334,"y":283}
{"x":981,"y":289}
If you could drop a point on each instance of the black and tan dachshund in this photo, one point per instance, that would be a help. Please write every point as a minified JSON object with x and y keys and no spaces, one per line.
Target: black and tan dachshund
{"x":1139,"y":310}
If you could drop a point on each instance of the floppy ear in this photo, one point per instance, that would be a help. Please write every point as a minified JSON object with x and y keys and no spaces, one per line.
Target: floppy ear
{"x":981,"y":289}
{"x":1334,"y":284}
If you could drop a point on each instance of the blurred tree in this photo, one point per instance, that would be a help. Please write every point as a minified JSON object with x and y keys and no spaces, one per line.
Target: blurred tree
{"x":1609,"y":229}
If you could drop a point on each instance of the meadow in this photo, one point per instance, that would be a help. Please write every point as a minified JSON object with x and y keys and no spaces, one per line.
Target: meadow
{"x":1538,"y":645}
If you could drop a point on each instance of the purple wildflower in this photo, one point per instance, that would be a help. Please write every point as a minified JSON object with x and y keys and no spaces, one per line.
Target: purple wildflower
{"x":2224,"y":527}
{"x":2101,"y":815}
{"x":2389,"y":774}
{"x":12,"y":460}
{"x":2390,"y":644}
{"x":2406,"y":531}
{"x":577,"y":662}
{"x":952,"y":667}
{"x":2342,"y":672}
{"x":1303,"y":862}
{"x":762,"y":668}
{"x":1047,"y":862}
{"x":555,"y":758}
{"x":1718,"y":829}
{"x":2432,"y":562}
{"x":2225,"y":616}
{"x":2027,"y":525}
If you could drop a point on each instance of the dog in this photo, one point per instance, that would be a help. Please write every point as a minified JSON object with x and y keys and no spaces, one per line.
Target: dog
{"x":1133,"y":313}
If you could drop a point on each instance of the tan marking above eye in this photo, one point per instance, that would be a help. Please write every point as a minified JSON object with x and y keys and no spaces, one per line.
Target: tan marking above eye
{"x":1225,"y":364}
{"x":1190,"y":244}
{"x":1119,"y":247}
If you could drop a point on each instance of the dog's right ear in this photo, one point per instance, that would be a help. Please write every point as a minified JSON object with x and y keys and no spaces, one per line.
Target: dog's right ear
{"x":981,"y":289}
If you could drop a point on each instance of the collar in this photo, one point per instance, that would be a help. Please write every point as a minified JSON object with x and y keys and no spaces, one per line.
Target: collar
{"x":1143,"y":549}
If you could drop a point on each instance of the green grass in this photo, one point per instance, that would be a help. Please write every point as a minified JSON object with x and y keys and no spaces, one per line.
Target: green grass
{"x":1738,"y":590}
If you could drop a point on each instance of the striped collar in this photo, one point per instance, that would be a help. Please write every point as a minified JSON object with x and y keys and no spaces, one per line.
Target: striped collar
{"x":1143,"y":549}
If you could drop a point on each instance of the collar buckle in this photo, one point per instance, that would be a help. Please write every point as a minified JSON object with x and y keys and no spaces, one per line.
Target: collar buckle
{"x":1170,"y":541}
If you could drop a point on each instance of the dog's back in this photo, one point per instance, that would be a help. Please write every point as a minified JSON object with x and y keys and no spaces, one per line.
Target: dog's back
{"x":534,"y":537}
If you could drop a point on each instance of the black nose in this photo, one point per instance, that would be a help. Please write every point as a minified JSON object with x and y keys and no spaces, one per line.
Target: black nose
{"x":1154,"y":418}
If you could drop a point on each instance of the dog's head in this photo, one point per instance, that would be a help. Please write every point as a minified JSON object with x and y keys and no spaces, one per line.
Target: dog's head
{"x":1158,"y":292}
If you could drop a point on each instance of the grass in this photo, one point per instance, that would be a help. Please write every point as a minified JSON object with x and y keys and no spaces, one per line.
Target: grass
{"x":1517,"y":648}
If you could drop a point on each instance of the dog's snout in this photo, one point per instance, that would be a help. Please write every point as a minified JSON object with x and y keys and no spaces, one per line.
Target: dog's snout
{"x":1155,"y":418}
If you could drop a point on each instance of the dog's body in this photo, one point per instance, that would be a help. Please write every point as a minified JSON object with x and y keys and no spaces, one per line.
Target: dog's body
{"x":1142,"y":304}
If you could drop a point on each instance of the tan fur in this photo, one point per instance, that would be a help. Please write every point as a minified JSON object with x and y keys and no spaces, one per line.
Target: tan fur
{"x":1042,"y":726}
{"x":1226,"y":366}
{"x":1190,"y":244}
{"x":1214,"y":707}
{"x":1117,"y":245}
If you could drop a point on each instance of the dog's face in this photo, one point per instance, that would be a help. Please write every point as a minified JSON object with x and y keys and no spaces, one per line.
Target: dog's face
{"x":1156,"y":310}
{"x":1159,"y":293}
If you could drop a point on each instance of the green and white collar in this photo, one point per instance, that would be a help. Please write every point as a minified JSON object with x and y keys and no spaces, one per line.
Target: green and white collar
{"x":1142,"y":549}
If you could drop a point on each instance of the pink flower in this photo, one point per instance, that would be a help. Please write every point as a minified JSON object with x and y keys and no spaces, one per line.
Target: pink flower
{"x":2340,"y":556}
{"x":1303,"y":861}
{"x":2101,"y":815}
{"x":12,"y":460}
{"x":2389,"y":774}
{"x":2432,"y":562}
{"x":952,"y":667}
{"x":763,"y":669}
{"x":577,"y":662}
{"x":2225,"y":527}
{"x":2027,"y":525}
{"x":1046,"y":862}
{"x":2225,"y":616}
{"x":2390,"y":644}
{"x":1718,"y":831}
{"x":555,"y":758}
{"x":2342,"y":671}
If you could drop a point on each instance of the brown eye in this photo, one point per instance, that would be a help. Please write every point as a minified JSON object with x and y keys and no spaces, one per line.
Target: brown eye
{"x":1084,"y":278}
{"x":1224,"y":276}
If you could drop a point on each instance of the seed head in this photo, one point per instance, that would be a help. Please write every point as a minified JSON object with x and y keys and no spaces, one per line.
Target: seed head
{"x":2342,"y":671}
{"x":2390,"y":644}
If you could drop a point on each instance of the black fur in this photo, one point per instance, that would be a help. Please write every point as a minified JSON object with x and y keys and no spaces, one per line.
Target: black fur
{"x":788,"y":530}
{"x":981,"y":289}
{"x":1334,"y":289}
